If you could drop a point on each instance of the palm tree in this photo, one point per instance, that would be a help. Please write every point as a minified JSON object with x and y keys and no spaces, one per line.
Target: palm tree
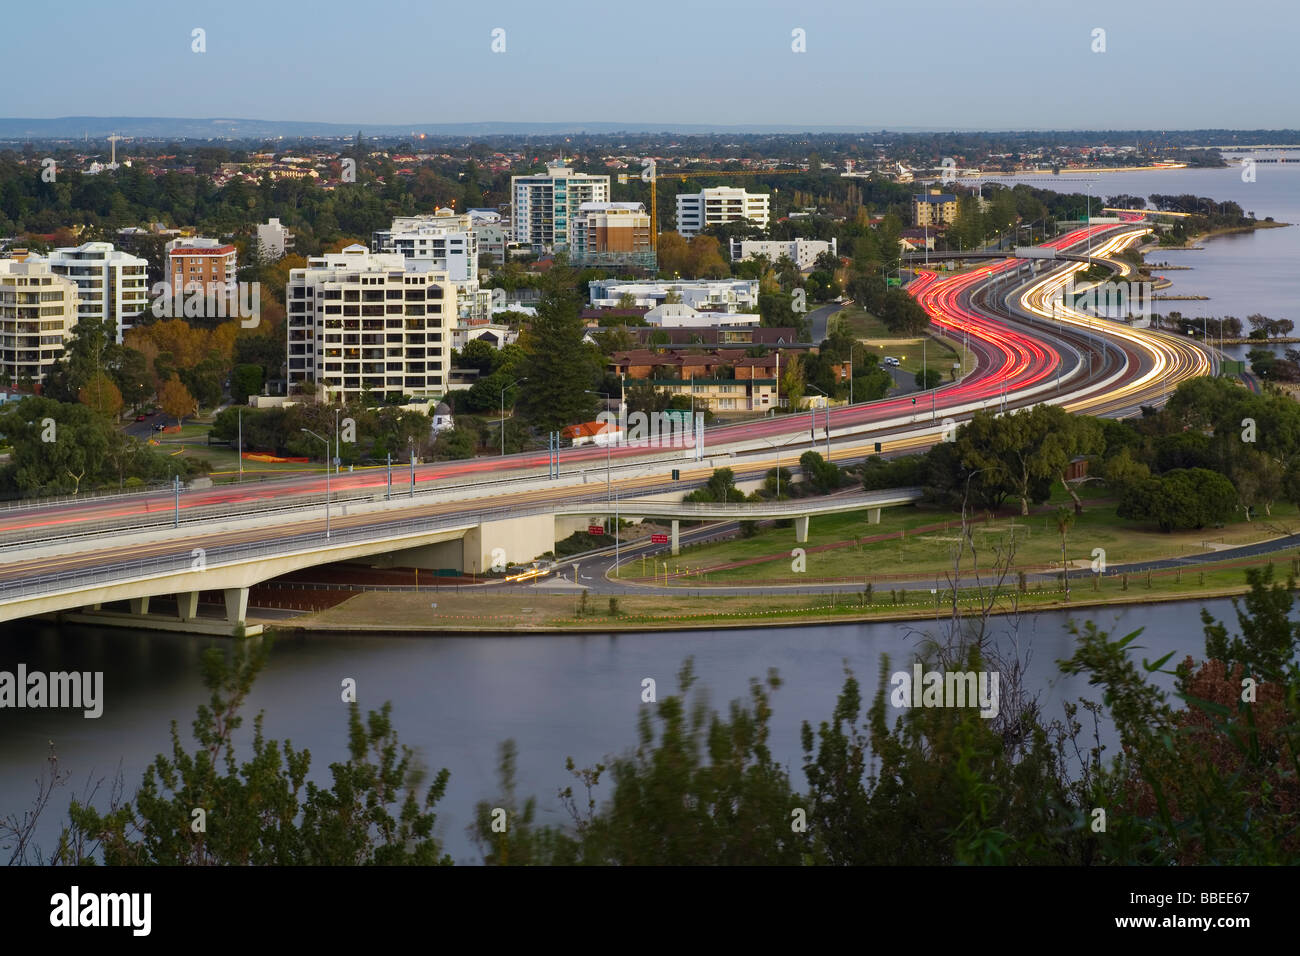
{"x":1064,"y":521}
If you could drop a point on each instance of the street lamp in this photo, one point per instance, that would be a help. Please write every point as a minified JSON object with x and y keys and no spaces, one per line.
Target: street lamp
{"x":828,"y":420}
{"x":777,"y":447}
{"x":327,"y":478}
{"x":503,"y":412}
{"x":608,"y":438}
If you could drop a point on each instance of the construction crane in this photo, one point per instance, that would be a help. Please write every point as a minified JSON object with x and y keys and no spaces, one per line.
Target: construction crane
{"x":655,"y":176}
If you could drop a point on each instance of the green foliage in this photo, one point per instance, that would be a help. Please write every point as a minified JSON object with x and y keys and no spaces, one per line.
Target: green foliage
{"x":824,"y":476}
{"x":265,"y":811}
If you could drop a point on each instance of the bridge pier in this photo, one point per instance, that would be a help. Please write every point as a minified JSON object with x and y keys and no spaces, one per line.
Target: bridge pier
{"x":236,"y":605}
{"x":675,"y":548}
{"x":187,"y":605}
{"x":139,"y":606}
{"x":873,"y":516}
{"x":801,"y":529}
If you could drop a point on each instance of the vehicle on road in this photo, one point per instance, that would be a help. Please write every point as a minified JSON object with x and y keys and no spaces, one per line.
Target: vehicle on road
{"x":158,"y":426}
{"x":890,"y":361}
{"x":140,"y":418}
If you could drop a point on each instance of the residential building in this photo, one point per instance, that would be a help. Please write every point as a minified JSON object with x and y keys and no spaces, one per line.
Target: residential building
{"x":611,"y":233}
{"x":717,"y":205}
{"x":203,"y":263}
{"x":725,"y":380}
{"x":706,"y":295}
{"x":802,"y":252}
{"x":273,"y":240}
{"x":444,"y":238}
{"x":543,"y":205}
{"x":111,"y":285}
{"x":682,"y":316}
{"x":363,"y":322}
{"x":492,"y":234}
{"x":934,"y":208}
{"x":38,"y":310}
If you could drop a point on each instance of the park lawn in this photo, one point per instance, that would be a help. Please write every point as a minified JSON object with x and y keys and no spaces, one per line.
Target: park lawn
{"x":491,"y":610}
{"x":925,"y":551}
{"x":907,"y":349}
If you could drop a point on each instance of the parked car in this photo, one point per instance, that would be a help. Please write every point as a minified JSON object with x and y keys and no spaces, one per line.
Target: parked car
{"x":891,"y":362}
{"x":140,"y":418}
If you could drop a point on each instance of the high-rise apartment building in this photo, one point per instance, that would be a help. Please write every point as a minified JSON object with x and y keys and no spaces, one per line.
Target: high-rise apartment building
{"x":934,"y":208}
{"x":38,"y":310}
{"x":273,"y":240}
{"x":363,"y":322}
{"x":542,"y":206}
{"x":111,"y":285}
{"x":717,"y":205}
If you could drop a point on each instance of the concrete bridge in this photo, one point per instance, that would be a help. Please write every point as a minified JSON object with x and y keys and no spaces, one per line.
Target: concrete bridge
{"x":76,"y":582}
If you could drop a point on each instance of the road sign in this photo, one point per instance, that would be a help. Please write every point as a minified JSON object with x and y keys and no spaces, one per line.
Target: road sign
{"x":658,"y":539}
{"x":677,"y":475}
{"x":595,"y":529}
{"x":877,"y":448}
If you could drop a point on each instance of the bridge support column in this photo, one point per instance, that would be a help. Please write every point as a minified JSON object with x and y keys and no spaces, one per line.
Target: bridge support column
{"x":139,"y":606}
{"x":873,"y":516}
{"x":801,"y":529}
{"x":187,"y":605}
{"x":674,"y":538}
{"x":236,"y":605}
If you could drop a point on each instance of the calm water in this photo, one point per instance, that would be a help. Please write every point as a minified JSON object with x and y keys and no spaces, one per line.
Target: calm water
{"x":456,"y":698}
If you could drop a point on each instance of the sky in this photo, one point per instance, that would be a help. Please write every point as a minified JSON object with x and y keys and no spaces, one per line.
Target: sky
{"x":947,"y":64}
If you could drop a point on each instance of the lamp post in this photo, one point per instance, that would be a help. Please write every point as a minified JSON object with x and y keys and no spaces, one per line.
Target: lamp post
{"x":327,"y":478}
{"x":503,"y":412}
{"x":608,"y":439}
{"x":777,"y":447}
{"x":828,"y":420}
{"x":338,"y":451}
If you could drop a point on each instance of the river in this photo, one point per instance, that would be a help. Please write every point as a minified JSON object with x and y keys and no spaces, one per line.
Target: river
{"x":456,"y":698}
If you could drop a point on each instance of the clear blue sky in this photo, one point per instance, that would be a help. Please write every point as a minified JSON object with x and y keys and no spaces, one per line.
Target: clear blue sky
{"x":1169,"y":64}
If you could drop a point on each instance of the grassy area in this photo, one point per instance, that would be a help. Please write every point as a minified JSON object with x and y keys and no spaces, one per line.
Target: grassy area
{"x":877,"y":338}
{"x":492,"y":611}
{"x":918,"y":543}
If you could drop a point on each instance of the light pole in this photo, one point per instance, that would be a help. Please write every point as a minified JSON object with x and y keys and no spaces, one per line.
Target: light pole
{"x":338,"y":452}
{"x":240,"y":415}
{"x":828,"y":420}
{"x":327,"y":478}
{"x":777,"y":448}
{"x":608,"y":439}
{"x":503,"y":412}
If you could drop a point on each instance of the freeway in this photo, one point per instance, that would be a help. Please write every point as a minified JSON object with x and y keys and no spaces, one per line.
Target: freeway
{"x":1023,"y":353}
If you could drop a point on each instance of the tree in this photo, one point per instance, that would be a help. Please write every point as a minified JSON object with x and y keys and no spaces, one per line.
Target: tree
{"x":928,"y":378}
{"x":176,"y":400}
{"x":245,"y":380}
{"x":558,"y":365}
{"x":257,"y":812}
{"x":101,"y":396}
{"x":1064,"y":521}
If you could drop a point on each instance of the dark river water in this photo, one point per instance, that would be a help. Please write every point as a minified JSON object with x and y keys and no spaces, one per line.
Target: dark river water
{"x":456,"y":698}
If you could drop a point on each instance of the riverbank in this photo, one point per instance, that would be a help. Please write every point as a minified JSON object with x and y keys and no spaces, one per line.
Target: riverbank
{"x":1192,"y":242}
{"x":412,"y":614}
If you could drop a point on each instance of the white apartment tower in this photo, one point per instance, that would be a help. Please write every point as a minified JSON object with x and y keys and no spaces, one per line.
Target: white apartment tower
{"x":542,"y":206}
{"x":717,"y":205}
{"x":111,"y":285}
{"x":370,"y":322}
{"x":273,"y":240}
{"x":38,"y":310}
{"x":445,"y":239}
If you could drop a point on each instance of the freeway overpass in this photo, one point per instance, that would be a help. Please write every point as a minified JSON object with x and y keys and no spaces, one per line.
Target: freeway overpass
{"x":149,"y":564}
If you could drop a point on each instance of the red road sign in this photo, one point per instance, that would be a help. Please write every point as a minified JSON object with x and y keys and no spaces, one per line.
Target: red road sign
{"x":595,"y":529}
{"x":658,"y":539}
